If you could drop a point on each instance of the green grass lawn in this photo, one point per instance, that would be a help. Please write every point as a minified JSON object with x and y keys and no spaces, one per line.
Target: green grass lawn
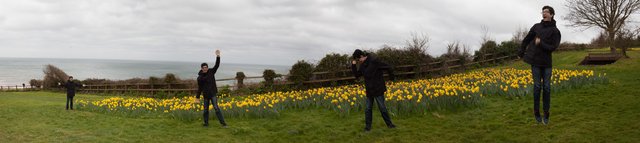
{"x":592,"y":113}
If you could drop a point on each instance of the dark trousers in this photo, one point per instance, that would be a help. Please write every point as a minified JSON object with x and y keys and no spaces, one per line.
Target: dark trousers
{"x":383,"y":110}
{"x":213,"y":100}
{"x":69,"y":102}
{"x":541,"y":82}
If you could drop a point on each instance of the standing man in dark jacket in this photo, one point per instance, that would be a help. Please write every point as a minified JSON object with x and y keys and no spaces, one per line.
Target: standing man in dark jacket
{"x":208,"y":88}
{"x":372,"y":68}
{"x":536,"y":48}
{"x":71,"y":91}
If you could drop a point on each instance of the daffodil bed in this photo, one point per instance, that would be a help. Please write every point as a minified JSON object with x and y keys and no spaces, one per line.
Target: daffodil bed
{"x":402,"y":98}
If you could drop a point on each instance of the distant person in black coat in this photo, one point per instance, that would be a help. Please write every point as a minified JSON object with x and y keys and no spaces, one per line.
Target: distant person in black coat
{"x":71,"y":91}
{"x":208,"y":88}
{"x":536,"y":49}
{"x":372,"y":68}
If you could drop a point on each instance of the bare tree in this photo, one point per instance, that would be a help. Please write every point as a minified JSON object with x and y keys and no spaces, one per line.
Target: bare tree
{"x":457,"y":50}
{"x":519,"y":35}
{"x":453,"y":50}
{"x":600,"y":40}
{"x":52,"y":76}
{"x":624,"y":39}
{"x":609,"y":15}
{"x":418,"y":41}
{"x":485,"y":34}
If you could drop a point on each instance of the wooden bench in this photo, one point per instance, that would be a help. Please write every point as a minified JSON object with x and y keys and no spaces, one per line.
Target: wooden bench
{"x":600,"y":58}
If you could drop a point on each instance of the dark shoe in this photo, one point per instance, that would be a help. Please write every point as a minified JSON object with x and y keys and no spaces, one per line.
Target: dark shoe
{"x":205,"y":125}
{"x":539,"y":119}
{"x":367,"y":129}
{"x":546,"y":118}
{"x":392,"y":126}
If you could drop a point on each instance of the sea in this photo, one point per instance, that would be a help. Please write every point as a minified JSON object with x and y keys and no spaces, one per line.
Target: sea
{"x":16,"y":71}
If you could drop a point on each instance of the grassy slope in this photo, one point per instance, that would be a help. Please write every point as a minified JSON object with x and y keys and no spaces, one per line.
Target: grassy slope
{"x":593,"y":113}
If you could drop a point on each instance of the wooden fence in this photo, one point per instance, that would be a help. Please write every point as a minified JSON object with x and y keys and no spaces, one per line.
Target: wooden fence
{"x":433,"y":69}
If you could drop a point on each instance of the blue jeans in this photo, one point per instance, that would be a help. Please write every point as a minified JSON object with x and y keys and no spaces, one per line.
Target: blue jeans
{"x":383,"y":110}
{"x":541,"y":81}
{"x":213,"y":100}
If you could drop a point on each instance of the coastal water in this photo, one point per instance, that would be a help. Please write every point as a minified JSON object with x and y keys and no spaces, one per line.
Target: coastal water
{"x":15,"y":71}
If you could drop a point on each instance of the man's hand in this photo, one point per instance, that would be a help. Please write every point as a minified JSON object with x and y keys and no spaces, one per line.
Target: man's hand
{"x":218,"y":53}
{"x":354,"y":62}
{"x":196,"y":101}
{"x":537,"y":41}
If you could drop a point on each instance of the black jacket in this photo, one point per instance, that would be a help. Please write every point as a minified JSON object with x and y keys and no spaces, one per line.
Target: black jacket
{"x":71,"y":87}
{"x":540,"y":55}
{"x":372,"y":69}
{"x":207,"y":82}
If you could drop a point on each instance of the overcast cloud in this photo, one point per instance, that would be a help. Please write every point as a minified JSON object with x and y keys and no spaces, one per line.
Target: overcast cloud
{"x":274,"y":32}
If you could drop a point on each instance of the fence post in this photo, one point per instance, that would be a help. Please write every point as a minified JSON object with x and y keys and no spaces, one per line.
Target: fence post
{"x":483,"y":59}
{"x":495,"y":59}
{"x":427,"y":68}
{"x":138,"y":88}
{"x":444,"y":68}
{"x":416,"y":70}
{"x":462,"y":62}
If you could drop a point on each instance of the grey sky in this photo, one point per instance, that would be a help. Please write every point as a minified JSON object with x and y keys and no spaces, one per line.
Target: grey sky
{"x":277,"y":32}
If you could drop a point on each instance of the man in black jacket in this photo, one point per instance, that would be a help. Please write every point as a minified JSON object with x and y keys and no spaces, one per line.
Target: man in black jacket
{"x":207,"y":86}
{"x":372,"y":68}
{"x":71,"y":91}
{"x":536,"y":48}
